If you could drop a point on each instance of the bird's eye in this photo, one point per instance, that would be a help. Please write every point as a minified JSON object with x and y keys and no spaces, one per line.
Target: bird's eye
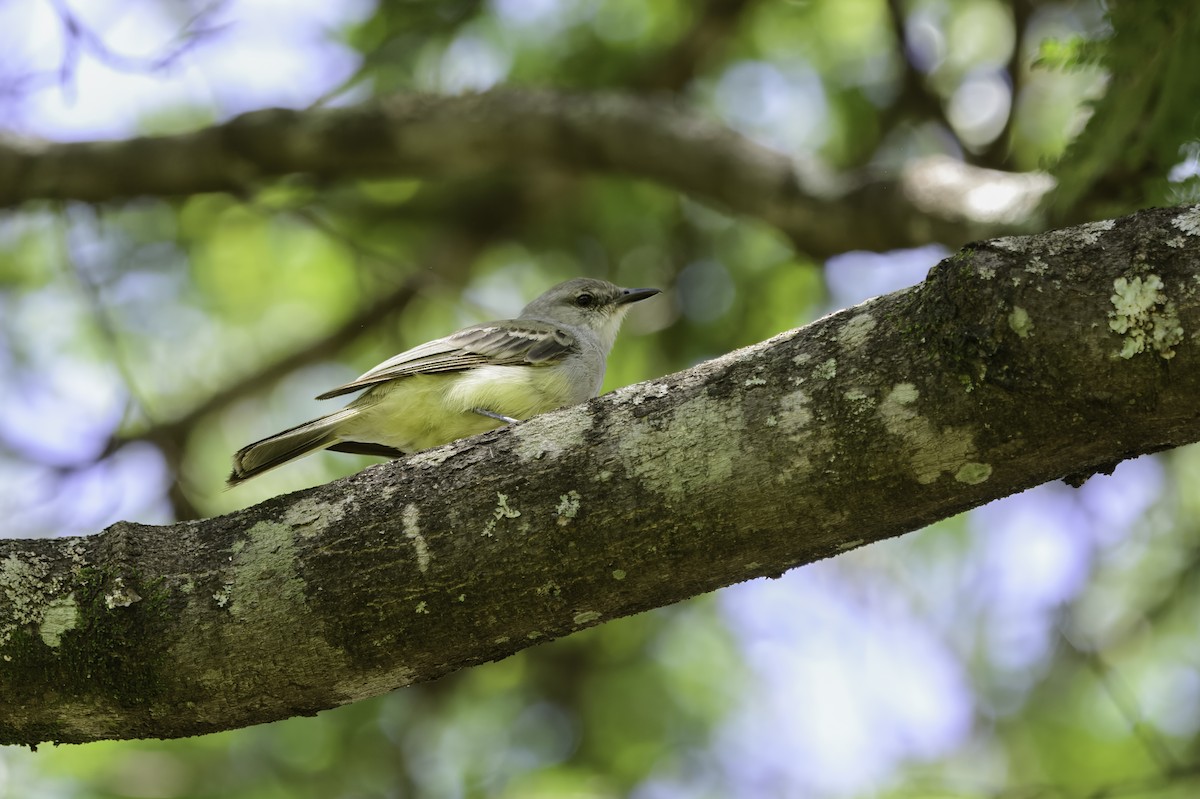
{"x":585,"y":300}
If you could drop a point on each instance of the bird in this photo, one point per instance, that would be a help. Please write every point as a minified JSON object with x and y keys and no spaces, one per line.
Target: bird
{"x":479,"y":378}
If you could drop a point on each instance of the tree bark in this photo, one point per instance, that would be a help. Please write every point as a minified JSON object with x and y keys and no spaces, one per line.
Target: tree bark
{"x":931,"y":200}
{"x":1018,"y":361}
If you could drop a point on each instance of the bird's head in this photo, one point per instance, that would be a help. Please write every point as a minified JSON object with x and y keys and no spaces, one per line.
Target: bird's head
{"x":589,"y":303}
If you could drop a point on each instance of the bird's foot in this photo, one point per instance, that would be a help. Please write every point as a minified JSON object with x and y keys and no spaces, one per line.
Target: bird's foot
{"x":493,"y":415}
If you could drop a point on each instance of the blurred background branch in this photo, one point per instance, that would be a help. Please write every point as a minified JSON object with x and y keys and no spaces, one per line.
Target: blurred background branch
{"x":418,"y":136}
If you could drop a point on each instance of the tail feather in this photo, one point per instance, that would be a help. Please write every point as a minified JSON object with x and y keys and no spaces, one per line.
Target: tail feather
{"x":276,"y":450}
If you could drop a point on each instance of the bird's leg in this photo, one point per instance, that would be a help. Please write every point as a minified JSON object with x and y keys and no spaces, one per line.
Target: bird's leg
{"x":493,"y":415}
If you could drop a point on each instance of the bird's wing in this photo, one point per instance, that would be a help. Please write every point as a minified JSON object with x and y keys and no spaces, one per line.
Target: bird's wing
{"x":516,"y":342}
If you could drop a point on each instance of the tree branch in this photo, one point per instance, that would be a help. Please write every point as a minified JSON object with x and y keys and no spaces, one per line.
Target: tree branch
{"x":1018,"y":361}
{"x":519,"y":129}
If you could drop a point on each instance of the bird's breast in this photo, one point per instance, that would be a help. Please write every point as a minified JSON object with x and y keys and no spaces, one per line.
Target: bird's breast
{"x":423,"y":411}
{"x":517,"y":391}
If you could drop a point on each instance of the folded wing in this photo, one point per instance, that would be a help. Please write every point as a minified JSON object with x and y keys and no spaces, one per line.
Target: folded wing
{"x":516,"y":342}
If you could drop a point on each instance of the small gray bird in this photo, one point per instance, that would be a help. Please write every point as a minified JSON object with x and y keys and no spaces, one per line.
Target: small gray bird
{"x":477,"y":379}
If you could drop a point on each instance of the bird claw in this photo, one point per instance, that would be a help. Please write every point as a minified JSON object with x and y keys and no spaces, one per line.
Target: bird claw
{"x":501,"y":417}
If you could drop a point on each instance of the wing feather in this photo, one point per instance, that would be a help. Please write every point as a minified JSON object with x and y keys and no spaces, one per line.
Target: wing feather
{"x":512,"y":344}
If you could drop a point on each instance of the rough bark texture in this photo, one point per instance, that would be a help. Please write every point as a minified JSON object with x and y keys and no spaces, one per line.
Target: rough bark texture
{"x":1017,"y":362}
{"x":933,"y":200}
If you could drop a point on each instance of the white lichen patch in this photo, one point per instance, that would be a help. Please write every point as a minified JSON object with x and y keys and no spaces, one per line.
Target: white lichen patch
{"x":554,"y":435}
{"x":502,"y":511}
{"x":638,"y":393}
{"x":618,"y":574}
{"x":62,"y":614}
{"x":1019,"y":322}
{"x":1144,"y":315}
{"x":587,"y":616}
{"x":24,"y":583}
{"x":930,"y":451}
{"x":859,"y":400}
{"x":312,"y":517}
{"x":20,"y":579}
{"x":76,"y":554}
{"x":904,"y":394}
{"x":1073,"y":239}
{"x":856,"y":332}
{"x":1188,"y":221}
{"x":794,"y":414}
{"x":410,"y":517}
{"x":1037,"y":266}
{"x":1013,"y":244}
{"x":1091,"y":232}
{"x":568,"y":507}
{"x":973,"y":473}
{"x":706,"y":432}
{"x":120,"y":595}
{"x":826,"y":370}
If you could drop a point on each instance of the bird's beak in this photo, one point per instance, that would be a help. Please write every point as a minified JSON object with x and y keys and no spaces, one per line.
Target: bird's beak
{"x":635,"y":295}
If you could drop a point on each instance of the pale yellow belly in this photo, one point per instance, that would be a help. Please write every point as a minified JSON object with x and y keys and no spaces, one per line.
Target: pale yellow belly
{"x":423,"y":411}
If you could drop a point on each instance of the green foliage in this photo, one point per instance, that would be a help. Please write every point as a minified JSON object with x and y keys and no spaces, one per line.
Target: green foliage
{"x":1069,"y":52}
{"x":1146,"y":116}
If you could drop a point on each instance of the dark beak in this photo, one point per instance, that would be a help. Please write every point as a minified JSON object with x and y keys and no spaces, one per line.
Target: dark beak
{"x":635,"y":295}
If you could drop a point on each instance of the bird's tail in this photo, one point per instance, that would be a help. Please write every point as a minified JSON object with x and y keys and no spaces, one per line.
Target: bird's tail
{"x":276,"y":450}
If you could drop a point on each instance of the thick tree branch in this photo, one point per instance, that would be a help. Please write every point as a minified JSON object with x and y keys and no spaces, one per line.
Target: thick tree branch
{"x":1018,"y":361}
{"x":932,"y":200}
